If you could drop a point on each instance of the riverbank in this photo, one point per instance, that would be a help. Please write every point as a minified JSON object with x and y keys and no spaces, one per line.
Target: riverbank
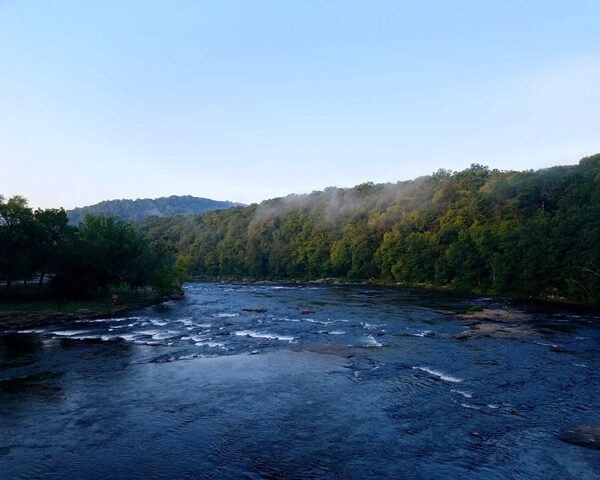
{"x":17,"y":314}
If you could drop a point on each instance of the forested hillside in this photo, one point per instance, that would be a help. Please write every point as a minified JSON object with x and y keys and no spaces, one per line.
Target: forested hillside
{"x":527,"y":234}
{"x":138,"y":210}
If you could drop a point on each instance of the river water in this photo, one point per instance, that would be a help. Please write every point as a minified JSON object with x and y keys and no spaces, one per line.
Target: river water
{"x":373,"y":384}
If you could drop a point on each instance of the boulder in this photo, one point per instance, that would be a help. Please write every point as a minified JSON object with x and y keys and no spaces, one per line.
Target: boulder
{"x":582,"y":435}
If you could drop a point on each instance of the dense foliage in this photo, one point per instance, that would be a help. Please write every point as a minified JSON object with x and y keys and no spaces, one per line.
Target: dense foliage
{"x":100,"y":253}
{"x":138,"y":210}
{"x":527,"y":234}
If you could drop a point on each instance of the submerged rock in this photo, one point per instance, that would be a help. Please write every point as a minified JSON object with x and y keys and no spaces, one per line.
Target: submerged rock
{"x":331,"y":349}
{"x":306,"y":312}
{"x":443,"y":312}
{"x":496,"y":331}
{"x":582,"y":435}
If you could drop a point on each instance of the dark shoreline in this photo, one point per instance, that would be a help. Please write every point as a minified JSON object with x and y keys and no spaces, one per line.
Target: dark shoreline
{"x":18,"y":319}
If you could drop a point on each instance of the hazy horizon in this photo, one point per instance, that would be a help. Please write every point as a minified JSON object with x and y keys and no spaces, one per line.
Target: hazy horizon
{"x":288,"y":193}
{"x":248,"y":101}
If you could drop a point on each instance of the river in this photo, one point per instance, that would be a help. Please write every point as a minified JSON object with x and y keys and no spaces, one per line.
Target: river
{"x":373,"y":384}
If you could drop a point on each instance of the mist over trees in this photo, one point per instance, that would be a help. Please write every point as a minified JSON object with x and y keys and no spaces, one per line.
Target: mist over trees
{"x":99,"y":254}
{"x":525,"y":234}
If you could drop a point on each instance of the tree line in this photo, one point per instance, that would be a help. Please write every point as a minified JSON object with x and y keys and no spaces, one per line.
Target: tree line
{"x":524,"y":234}
{"x":99,"y":254}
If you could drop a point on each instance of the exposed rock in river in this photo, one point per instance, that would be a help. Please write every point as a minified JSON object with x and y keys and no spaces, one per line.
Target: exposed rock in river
{"x":495,"y":315}
{"x":582,"y":435}
{"x":507,"y":324}
{"x":496,"y":331}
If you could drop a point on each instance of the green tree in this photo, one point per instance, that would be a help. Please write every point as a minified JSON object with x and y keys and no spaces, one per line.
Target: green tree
{"x":16,"y":224}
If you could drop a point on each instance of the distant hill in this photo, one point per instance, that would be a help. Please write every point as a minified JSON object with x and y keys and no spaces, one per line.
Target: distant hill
{"x":138,"y":210}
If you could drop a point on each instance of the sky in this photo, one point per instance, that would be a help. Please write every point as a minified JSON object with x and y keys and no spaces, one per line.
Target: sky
{"x":249,"y":100}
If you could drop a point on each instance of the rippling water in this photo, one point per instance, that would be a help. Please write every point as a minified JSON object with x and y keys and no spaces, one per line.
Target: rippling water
{"x":373,"y":384}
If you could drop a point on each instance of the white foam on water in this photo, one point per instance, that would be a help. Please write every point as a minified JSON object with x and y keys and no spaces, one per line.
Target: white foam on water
{"x":289,"y":319}
{"x":319,"y":322}
{"x":211,"y":344}
{"x":68,"y":333}
{"x":493,"y":406}
{"x":149,"y":333}
{"x":580,"y":365}
{"x":331,"y":332}
{"x":268,"y":336}
{"x":32,"y":331}
{"x":186,"y":321}
{"x":461,"y":392}
{"x":424,"y":333}
{"x":159,"y":334}
{"x":113,"y":327}
{"x":99,"y":320}
{"x":146,"y":342}
{"x":226,"y":315}
{"x":128,"y":337}
{"x":185,"y":357}
{"x":106,"y":320}
{"x":158,"y":323}
{"x":370,"y":326}
{"x":371,"y":342}
{"x":472,"y":407}
{"x":204,"y":325}
{"x":440,"y":375}
{"x":86,"y":337}
{"x":547,"y":344}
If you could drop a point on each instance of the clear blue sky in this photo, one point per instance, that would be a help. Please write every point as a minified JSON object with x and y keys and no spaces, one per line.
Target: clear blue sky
{"x":247,"y":100}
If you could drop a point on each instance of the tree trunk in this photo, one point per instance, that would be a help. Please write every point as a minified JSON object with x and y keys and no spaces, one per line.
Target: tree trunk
{"x":9,"y":271}
{"x":41,"y":278}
